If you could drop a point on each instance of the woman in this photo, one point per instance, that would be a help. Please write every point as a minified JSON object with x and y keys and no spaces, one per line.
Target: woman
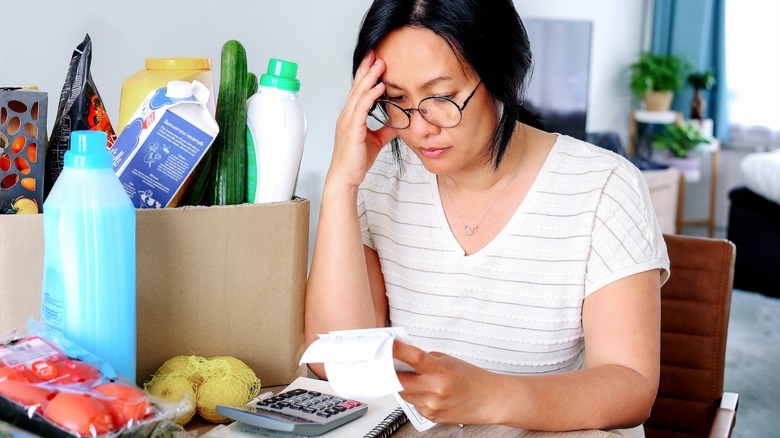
{"x":502,"y":250}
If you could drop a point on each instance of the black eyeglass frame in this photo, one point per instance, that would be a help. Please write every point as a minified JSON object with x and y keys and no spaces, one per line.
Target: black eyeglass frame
{"x":408,"y":111}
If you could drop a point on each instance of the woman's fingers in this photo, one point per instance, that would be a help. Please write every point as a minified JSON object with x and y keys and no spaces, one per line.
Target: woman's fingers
{"x":418,"y":359}
{"x":365,"y":64}
{"x":366,"y":90}
{"x":356,"y":146}
{"x":384,"y":135}
{"x":362,"y":82}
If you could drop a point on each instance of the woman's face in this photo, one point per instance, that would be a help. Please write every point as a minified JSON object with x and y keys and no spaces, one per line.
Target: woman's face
{"x":421,"y":64}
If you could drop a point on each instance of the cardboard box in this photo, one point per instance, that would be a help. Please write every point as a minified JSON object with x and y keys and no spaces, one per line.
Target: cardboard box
{"x":22,"y":147}
{"x":211,"y":281}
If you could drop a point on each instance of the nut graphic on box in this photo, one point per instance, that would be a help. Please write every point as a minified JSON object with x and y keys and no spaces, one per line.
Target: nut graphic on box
{"x":22,"y":149}
{"x":163,"y":142}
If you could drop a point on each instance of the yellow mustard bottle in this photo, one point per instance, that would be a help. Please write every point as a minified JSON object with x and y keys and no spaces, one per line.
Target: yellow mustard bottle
{"x":158,"y":72}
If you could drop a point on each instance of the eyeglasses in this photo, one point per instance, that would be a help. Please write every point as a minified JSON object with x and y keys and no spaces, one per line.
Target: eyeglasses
{"x":440,"y":111}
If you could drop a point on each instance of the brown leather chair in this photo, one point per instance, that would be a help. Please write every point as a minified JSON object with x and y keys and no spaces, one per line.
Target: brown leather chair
{"x":695,"y":305}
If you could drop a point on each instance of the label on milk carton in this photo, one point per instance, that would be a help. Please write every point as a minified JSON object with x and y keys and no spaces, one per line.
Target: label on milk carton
{"x":163,"y":142}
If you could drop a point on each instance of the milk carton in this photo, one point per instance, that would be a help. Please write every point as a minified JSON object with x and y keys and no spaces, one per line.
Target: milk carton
{"x":163,"y":142}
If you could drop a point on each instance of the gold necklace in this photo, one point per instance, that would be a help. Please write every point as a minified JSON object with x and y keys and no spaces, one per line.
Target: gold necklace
{"x":468,"y":230}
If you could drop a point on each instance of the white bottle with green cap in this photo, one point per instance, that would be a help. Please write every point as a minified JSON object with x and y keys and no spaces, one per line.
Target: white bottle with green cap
{"x":276,"y":134}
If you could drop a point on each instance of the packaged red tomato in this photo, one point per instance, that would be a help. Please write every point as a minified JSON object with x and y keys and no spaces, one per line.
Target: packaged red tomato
{"x":55,"y":389}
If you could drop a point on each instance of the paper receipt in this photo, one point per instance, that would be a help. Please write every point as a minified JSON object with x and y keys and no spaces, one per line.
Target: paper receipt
{"x":360,"y":365}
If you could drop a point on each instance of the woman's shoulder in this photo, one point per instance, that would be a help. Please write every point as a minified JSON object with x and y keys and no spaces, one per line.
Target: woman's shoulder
{"x":570,"y":151}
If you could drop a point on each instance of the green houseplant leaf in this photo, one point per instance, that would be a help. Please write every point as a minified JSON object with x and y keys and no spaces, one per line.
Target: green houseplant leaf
{"x":679,"y":140}
{"x":702,"y":80}
{"x":654,"y":72}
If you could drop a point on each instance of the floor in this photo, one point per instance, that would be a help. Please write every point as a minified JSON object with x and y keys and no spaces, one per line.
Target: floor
{"x":752,"y":355}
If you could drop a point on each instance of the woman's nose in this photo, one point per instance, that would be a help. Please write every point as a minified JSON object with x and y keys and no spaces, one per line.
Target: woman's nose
{"x":419,"y":126}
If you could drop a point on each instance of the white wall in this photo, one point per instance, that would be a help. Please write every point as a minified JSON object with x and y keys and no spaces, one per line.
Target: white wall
{"x":39,"y":37}
{"x":617,"y":41}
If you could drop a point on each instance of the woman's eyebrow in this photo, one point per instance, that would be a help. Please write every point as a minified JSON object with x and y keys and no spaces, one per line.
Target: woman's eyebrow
{"x":427,"y":84}
{"x":436,"y":81}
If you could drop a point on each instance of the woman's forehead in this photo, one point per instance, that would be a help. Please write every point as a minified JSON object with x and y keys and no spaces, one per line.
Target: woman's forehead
{"x":418,"y":58}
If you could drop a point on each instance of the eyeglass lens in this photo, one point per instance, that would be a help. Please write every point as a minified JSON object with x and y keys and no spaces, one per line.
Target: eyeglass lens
{"x":438,"y":111}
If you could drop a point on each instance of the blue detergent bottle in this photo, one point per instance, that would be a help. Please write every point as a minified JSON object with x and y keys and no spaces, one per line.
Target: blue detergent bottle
{"x":89,"y":282}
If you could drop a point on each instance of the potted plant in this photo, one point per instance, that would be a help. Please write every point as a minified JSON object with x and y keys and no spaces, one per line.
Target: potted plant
{"x":679,"y":140}
{"x":655,"y":78}
{"x":702,"y":80}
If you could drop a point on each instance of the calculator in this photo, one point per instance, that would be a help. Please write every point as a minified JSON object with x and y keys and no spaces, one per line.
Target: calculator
{"x":299,"y":411}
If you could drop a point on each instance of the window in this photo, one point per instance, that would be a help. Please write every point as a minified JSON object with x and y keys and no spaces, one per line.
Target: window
{"x":753,"y":73}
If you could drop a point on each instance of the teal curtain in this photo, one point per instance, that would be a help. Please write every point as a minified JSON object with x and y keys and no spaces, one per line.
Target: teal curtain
{"x":695,"y":30}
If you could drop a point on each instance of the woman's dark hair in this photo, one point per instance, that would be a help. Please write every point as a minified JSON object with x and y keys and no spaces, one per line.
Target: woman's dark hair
{"x":488,"y":35}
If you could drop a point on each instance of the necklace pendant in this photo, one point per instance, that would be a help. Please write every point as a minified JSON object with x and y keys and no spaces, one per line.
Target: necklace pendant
{"x":470,"y":231}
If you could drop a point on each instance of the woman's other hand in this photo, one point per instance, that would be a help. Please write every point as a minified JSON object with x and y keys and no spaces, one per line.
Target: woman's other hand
{"x":444,"y":389}
{"x":356,"y":146}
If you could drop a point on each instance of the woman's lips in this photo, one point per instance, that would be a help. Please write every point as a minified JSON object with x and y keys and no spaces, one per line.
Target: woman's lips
{"x":432,"y":152}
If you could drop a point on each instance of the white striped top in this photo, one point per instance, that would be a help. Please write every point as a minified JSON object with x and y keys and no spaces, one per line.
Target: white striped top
{"x":515,"y":306}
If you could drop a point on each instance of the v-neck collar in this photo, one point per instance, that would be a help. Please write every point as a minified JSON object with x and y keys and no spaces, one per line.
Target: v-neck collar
{"x":456,"y":250}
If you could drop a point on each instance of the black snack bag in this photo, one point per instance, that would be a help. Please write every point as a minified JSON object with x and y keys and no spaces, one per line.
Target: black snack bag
{"x":80,"y":108}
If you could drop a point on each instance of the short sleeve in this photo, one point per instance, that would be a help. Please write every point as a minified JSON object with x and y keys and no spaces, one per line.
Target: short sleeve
{"x":627,"y":237}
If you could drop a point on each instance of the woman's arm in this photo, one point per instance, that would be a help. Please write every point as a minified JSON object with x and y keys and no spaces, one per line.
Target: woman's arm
{"x":616,"y":388}
{"x":343,"y":288}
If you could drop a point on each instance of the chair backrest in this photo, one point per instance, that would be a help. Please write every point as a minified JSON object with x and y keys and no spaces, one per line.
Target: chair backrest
{"x":695,"y":304}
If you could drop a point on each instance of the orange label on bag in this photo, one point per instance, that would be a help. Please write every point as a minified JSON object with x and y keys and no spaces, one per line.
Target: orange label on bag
{"x":44,"y":369}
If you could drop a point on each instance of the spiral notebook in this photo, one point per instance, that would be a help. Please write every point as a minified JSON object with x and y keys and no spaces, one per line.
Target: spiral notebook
{"x":384,"y":417}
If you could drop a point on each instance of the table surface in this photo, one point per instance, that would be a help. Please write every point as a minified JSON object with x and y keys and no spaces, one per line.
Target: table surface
{"x":200,"y":427}
{"x":493,"y":431}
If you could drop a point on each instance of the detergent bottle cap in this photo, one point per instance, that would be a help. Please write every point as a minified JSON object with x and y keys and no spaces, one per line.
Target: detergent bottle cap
{"x":88,"y":150}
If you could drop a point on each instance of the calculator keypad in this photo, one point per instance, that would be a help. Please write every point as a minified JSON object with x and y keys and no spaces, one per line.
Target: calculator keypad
{"x":309,"y":405}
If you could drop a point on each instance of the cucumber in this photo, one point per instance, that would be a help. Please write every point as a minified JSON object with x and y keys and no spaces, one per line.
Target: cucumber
{"x":220,"y":176}
{"x":229,"y":160}
{"x":251,"y":161}
{"x":252,"y":85}
{"x":199,"y":186}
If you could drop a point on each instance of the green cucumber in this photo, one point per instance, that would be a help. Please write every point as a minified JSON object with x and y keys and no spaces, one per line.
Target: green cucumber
{"x":229,"y":160}
{"x":219,"y":177}
{"x":252,"y":85}
{"x":199,"y":186}
{"x":251,"y":161}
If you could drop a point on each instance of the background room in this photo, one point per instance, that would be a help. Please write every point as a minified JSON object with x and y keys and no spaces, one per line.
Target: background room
{"x":319,"y":36}
{"x":41,"y":35}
